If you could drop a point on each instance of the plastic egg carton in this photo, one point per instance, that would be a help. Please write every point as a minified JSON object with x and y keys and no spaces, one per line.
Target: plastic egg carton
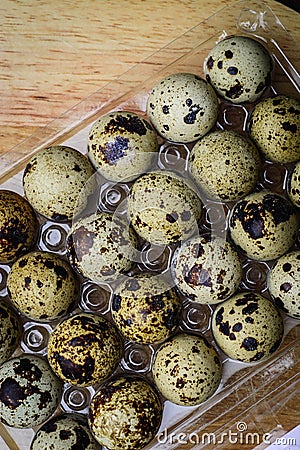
{"x":251,"y":392}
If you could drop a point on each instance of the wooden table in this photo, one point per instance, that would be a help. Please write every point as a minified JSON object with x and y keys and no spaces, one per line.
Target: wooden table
{"x":55,"y":54}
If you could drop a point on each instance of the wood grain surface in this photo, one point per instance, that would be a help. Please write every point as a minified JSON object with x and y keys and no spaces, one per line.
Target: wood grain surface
{"x":54,"y":54}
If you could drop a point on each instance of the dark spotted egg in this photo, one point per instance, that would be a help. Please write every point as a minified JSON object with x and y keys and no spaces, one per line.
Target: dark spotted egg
{"x":247,"y":327}
{"x":182,"y":107}
{"x":145,"y":309}
{"x":84,"y":349}
{"x":225,"y":165}
{"x":101,"y":246}
{"x":29,"y":391}
{"x":121,"y":145}
{"x":294,"y":185}
{"x":284,"y":283}
{"x":10,"y":331}
{"x":42,"y":286}
{"x":239,"y":68}
{"x":125,"y":413}
{"x":18,"y":226}
{"x":207,"y":270}
{"x":57,"y":182}
{"x":186,"y":369}
{"x":64,"y":432}
{"x":163,"y":208}
{"x":275,"y":128}
{"x":263,"y":225}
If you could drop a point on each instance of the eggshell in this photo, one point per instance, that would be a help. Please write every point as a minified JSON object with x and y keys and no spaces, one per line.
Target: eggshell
{"x":187,"y":370}
{"x":182,"y":107}
{"x":125,"y":413}
{"x":247,"y":327}
{"x":294,"y":185}
{"x":10,"y":331}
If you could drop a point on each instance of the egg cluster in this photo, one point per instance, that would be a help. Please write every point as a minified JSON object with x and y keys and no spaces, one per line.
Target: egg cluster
{"x":158,"y":254}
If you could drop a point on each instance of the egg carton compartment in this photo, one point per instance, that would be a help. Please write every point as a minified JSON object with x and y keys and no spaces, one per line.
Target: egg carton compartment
{"x":240,"y":380}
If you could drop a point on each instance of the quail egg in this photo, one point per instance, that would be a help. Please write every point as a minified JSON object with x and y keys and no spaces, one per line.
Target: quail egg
{"x":10,"y":331}
{"x":294,"y":185}
{"x":275,"y":128}
{"x":182,"y":107}
{"x":239,"y":68}
{"x":263,"y":225}
{"x":121,"y":145}
{"x":84,"y":349}
{"x":65,"y":432}
{"x":18,"y":226}
{"x":186,"y":369}
{"x":29,"y":391}
{"x":125,"y":413}
{"x":101,"y":246}
{"x":284,"y":283}
{"x":247,"y":327}
{"x":206,"y":270}
{"x":163,"y":208}
{"x":145,"y":309}
{"x":42,"y":285}
{"x":57,"y":182}
{"x":225,"y":165}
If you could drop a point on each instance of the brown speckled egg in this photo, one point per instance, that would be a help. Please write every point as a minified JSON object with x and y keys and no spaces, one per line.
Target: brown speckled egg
{"x":182,"y":107}
{"x":284,"y":283}
{"x":18,"y":226}
{"x":84,"y":349}
{"x":101,"y":246}
{"x":65,"y":432}
{"x":29,"y":391}
{"x":187,"y":370}
{"x":294,"y":185}
{"x":247,"y":327}
{"x":275,"y":128}
{"x":57,"y":181}
{"x":121,"y":145}
{"x":42,"y":285}
{"x":239,"y":68}
{"x":263,"y":225}
{"x":125,"y":414}
{"x":225,"y":165}
{"x":163,"y":208}
{"x":145,"y":309}
{"x":205,"y":270}
{"x":10,"y":331}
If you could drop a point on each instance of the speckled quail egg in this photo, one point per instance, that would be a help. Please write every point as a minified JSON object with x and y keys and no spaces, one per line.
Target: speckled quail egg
{"x":206,"y":270}
{"x":275,"y":128}
{"x":121,"y":145}
{"x":163,"y":208}
{"x":182,"y":107}
{"x":18,"y":226}
{"x":239,"y":68}
{"x":29,"y":391}
{"x":65,"y":432}
{"x":125,"y":413}
{"x":294,"y":185}
{"x":10,"y":331}
{"x":263,"y":225}
{"x":284,"y":283}
{"x":247,"y":327}
{"x":186,"y":369}
{"x":225,"y":165}
{"x":101,"y":246}
{"x":42,"y":285}
{"x":145,"y":309}
{"x":57,"y":182}
{"x":84,"y":349}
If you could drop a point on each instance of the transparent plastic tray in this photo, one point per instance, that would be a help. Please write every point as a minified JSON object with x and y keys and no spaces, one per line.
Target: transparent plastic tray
{"x":258,"y":398}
